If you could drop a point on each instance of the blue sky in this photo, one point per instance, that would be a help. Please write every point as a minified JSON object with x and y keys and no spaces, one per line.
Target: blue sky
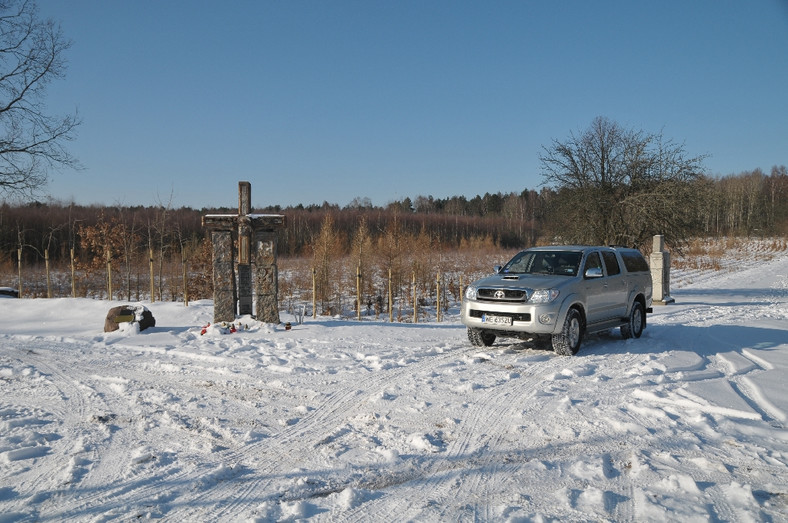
{"x":316,"y":101}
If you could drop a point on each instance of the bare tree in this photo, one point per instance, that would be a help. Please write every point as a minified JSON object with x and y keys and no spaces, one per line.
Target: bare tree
{"x":325,"y":247}
{"x":128,"y":240}
{"x":619,"y":186}
{"x":362,"y":253}
{"x":31,"y":57}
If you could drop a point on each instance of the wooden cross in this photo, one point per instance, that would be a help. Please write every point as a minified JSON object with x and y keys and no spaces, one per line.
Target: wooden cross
{"x":244,"y":222}
{"x":256,"y":238}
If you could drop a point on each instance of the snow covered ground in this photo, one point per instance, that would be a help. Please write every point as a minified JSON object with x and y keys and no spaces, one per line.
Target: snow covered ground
{"x":346,"y":421}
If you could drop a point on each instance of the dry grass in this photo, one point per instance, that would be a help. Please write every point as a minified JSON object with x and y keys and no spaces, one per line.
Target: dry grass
{"x":712,"y":255}
{"x":704,"y":258}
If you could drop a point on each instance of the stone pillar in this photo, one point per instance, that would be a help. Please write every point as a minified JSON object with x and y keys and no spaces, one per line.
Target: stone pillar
{"x":266,"y":277}
{"x":660,"y":272}
{"x":224,"y":295}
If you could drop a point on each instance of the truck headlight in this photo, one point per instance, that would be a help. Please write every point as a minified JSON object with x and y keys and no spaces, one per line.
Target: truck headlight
{"x":544,"y":295}
{"x":470,"y":292}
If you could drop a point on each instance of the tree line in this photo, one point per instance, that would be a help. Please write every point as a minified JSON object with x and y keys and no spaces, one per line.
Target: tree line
{"x":749,"y":203}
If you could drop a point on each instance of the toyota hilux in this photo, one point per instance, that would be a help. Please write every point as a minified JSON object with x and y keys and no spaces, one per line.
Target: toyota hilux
{"x":556,"y":295}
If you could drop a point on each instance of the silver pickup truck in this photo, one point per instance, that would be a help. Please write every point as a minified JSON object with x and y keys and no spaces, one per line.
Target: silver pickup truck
{"x":558,"y":294}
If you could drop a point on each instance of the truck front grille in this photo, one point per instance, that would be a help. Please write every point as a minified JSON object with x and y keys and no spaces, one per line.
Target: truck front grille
{"x":487,"y":294}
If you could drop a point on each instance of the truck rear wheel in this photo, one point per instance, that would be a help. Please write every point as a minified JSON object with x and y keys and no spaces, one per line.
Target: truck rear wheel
{"x":637,"y":321}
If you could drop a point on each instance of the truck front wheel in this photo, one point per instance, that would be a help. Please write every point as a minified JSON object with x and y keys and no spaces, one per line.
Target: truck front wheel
{"x":567,"y":342}
{"x":480,"y":338}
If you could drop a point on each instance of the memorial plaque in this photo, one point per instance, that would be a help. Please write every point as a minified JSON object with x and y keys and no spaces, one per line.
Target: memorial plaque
{"x":244,"y":289}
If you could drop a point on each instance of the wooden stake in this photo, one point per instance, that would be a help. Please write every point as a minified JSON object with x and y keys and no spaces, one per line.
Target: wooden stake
{"x":415,"y":304}
{"x":109,"y":274}
{"x":152,"y":283}
{"x":49,"y":279}
{"x":314,"y":293}
{"x":73,"y":278}
{"x":185,"y":280}
{"x":19,"y":257}
{"x":358,"y":292}
{"x":438,"y":301}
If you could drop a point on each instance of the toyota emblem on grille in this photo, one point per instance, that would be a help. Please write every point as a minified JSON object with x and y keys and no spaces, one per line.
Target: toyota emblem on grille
{"x":499,"y":295}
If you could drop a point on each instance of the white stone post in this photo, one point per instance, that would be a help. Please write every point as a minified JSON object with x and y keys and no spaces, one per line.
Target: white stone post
{"x":660,"y":272}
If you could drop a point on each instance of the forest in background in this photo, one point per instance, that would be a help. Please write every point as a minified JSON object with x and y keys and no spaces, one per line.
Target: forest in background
{"x":409,"y":239}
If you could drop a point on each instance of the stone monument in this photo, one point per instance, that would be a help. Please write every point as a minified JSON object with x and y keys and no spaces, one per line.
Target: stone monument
{"x":660,"y":272}
{"x":254,"y":273}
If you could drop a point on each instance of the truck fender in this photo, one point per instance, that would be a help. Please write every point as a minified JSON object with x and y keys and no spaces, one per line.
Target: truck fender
{"x":569,"y":302}
{"x":633,"y":294}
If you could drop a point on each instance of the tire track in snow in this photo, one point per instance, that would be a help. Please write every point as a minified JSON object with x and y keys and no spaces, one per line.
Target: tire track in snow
{"x":507,"y":401}
{"x":72,"y":410}
{"x":708,"y":459}
{"x":102,"y":490}
{"x":739,"y":367}
{"x":753,"y":394}
{"x":303,"y":437}
{"x":541,"y":389}
{"x":120,"y":489}
{"x":438,"y":478}
{"x":571,"y":451}
{"x":484,"y":413}
{"x":485,"y":426}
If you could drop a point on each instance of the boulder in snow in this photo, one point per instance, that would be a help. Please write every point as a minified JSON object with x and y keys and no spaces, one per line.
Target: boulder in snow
{"x":129,"y":314}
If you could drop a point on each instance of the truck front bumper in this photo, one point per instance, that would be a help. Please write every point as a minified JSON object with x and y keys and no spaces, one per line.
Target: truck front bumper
{"x":542,"y":318}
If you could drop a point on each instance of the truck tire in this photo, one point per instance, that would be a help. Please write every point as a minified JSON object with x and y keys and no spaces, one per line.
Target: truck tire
{"x":633,"y":328}
{"x":480,"y":338}
{"x":567,"y":342}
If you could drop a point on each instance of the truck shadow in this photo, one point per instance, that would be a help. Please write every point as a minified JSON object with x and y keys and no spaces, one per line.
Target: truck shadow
{"x":702,"y":340}
{"x":662,"y":339}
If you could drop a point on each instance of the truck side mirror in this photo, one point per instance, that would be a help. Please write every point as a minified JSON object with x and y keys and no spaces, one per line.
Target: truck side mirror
{"x":594,"y":272}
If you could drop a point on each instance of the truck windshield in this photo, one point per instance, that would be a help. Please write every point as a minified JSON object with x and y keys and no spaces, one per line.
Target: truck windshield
{"x":562,"y":263}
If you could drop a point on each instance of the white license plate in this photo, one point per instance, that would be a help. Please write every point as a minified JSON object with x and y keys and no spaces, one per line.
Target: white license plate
{"x":496,"y":320}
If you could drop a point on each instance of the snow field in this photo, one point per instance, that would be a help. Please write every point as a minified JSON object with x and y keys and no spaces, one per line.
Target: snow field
{"x":338,"y":420}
